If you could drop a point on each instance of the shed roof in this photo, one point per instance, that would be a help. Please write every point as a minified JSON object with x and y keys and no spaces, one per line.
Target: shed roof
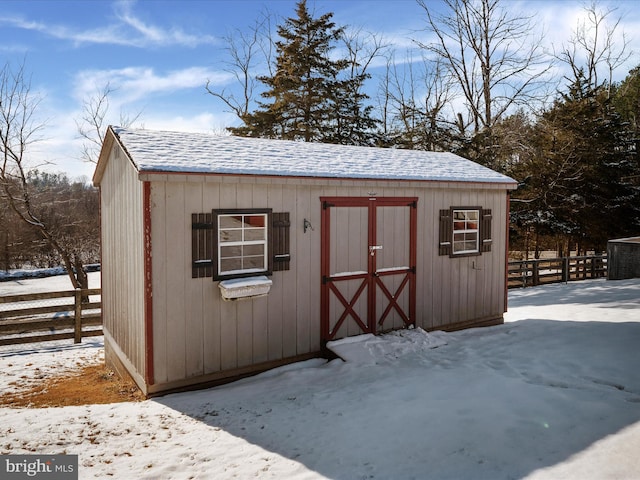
{"x":153,"y":151}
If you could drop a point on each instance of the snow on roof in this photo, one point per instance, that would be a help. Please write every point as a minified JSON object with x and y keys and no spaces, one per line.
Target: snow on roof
{"x":181,"y":152}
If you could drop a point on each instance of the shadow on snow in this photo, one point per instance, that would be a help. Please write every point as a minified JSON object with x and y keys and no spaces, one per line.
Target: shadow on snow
{"x":498,"y":402}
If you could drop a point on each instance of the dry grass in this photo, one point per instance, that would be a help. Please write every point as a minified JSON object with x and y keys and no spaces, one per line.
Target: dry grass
{"x":90,"y":385}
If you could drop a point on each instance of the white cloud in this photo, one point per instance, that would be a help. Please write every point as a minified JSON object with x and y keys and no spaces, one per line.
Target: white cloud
{"x":204,"y":122}
{"x":154,"y":35}
{"x":561,"y":19}
{"x":133,"y":89}
{"x":61,"y":147}
{"x":132,"y":84}
{"x":128,"y":30}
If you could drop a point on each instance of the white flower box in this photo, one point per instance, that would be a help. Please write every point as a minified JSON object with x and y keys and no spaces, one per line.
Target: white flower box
{"x":245,"y":287}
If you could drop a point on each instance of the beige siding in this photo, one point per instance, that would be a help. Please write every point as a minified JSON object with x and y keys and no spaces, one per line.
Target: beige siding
{"x":197,"y":334}
{"x":123,"y":261}
{"x":465,"y":288}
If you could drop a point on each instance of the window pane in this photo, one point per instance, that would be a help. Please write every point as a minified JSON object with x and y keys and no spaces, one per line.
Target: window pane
{"x":254,"y":220}
{"x":230,"y":264}
{"x":254,"y":234}
{"x":230,"y":235}
{"x":230,"y":221}
{"x":253,"y":262}
{"x":228,"y":252}
{"x":253,"y":250}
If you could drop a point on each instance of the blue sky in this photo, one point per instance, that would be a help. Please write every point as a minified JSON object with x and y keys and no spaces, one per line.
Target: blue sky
{"x":157,"y":55}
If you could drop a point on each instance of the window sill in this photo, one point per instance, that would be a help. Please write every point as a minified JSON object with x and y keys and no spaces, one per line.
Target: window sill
{"x":240,"y":288}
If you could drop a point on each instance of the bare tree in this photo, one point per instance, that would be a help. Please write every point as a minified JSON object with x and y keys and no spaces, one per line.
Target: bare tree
{"x":92,"y":124}
{"x":414,"y":96}
{"x":248,"y":51}
{"x":362,"y":49}
{"x":492,"y":54}
{"x":595,"y":49}
{"x":19,"y":130}
{"x":354,"y":121}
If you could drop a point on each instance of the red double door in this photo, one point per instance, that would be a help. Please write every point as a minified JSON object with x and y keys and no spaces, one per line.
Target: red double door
{"x":368,"y":265}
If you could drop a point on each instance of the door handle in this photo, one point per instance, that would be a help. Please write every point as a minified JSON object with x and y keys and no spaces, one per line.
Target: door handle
{"x":373,"y":248}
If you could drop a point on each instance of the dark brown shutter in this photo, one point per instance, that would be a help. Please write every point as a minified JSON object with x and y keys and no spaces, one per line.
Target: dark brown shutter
{"x":201,"y":245}
{"x":280,"y":233}
{"x":446,"y":233}
{"x":485,"y":230}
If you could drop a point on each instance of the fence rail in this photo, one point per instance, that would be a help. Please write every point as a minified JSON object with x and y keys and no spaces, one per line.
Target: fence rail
{"x":24,"y":317}
{"x":529,"y":273}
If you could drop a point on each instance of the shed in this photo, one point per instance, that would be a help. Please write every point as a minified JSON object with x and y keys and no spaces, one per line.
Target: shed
{"x":623,"y":258}
{"x":226,"y":256}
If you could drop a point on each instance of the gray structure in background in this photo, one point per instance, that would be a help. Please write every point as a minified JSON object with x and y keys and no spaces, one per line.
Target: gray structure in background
{"x":623,"y":258}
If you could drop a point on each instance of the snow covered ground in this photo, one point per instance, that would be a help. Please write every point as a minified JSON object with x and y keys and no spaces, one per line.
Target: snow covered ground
{"x":56,"y":283}
{"x":554,"y":393}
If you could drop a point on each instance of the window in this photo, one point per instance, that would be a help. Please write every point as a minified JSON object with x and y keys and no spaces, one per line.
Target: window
{"x":241,"y":242}
{"x":465,"y":231}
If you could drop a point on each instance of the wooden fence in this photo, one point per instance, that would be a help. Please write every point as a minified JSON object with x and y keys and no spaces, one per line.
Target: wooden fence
{"x":529,"y":273}
{"x":24,"y":317}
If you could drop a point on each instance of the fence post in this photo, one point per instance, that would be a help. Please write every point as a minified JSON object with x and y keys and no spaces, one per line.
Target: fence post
{"x":536,"y":273}
{"x":77,"y":338}
{"x":525,"y":273}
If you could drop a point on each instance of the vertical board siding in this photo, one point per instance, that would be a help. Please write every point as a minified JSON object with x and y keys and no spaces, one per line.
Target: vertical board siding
{"x":122,"y":243}
{"x":275,"y":320}
{"x":175,"y":303}
{"x":259,"y":327}
{"x":211,"y":306}
{"x":228,"y":310}
{"x":159,"y":283}
{"x":197,"y":333}
{"x":290,"y":288}
{"x":302,"y":266}
{"x":314,"y":280}
{"x":467,"y":288}
{"x":193,"y":292}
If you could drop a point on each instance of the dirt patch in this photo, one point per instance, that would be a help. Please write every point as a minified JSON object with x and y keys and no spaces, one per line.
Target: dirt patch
{"x":90,"y":385}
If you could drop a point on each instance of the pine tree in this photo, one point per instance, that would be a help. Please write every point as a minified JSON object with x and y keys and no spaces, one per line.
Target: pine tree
{"x":310,"y":96}
{"x":626,"y":98}
{"x":576,"y":183}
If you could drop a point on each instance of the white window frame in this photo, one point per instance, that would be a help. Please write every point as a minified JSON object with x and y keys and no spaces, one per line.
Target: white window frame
{"x":242,"y":242}
{"x":470,"y":227}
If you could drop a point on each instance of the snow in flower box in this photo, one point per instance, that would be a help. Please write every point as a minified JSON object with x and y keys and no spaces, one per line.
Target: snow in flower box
{"x":245,"y":287}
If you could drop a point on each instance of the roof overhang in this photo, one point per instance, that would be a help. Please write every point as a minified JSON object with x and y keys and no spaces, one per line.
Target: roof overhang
{"x":192,"y":177}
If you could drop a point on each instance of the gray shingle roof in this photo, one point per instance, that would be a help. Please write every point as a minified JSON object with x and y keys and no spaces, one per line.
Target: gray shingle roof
{"x":180,"y":152}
